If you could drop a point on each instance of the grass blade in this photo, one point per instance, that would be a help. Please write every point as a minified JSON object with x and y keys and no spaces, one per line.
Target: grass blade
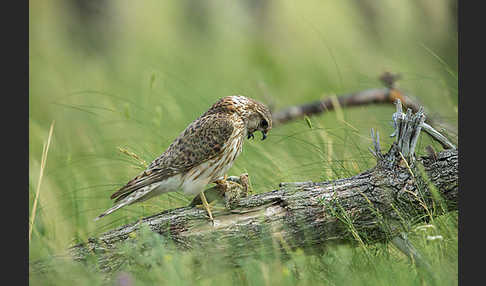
{"x":45,"y":149}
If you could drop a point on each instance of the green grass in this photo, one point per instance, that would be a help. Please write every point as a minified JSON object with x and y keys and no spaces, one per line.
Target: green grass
{"x":160,"y":73}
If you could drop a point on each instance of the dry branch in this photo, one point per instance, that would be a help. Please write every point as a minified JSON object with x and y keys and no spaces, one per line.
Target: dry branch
{"x":375,"y":205}
{"x":386,"y":95}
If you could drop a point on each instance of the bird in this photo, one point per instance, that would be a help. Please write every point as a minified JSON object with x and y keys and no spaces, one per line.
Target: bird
{"x":203,"y":153}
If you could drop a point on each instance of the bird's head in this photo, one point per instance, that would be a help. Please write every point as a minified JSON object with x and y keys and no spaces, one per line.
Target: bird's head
{"x":258,"y":118}
{"x":255,"y":115}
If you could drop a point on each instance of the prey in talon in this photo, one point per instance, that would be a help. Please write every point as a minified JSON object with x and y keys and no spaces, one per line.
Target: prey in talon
{"x":230,"y":193}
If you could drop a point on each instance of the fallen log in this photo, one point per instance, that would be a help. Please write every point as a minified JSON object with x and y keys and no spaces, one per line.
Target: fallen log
{"x":375,"y":205}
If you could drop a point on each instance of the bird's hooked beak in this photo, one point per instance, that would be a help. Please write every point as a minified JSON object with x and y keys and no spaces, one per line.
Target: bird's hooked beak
{"x":264,"y":134}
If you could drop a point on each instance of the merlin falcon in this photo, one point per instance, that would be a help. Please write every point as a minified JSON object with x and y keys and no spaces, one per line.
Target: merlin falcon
{"x":202,"y":154}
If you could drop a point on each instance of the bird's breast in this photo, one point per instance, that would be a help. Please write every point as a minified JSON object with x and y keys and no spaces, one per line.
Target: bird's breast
{"x":211,"y":170}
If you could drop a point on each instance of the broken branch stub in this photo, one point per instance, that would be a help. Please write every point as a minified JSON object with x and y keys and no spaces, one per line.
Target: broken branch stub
{"x":407,"y":129}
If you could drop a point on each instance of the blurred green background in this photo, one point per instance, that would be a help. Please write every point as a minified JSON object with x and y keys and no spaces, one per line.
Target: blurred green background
{"x":134,"y":74}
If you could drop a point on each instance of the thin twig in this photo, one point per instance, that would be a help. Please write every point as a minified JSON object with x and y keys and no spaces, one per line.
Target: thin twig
{"x":437,"y":136}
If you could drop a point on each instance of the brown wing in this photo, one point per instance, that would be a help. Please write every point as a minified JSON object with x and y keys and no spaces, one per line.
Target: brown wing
{"x":202,"y":140}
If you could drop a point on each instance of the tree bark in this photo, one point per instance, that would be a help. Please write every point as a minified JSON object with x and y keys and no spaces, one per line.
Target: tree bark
{"x":375,"y":205}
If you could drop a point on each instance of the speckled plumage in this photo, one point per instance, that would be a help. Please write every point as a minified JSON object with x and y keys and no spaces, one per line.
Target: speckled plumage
{"x":201,"y":154}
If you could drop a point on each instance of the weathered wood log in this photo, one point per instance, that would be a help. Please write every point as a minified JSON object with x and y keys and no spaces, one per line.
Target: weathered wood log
{"x":375,"y":205}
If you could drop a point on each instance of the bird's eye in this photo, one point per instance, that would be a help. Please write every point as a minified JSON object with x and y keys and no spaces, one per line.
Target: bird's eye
{"x":264,"y":124}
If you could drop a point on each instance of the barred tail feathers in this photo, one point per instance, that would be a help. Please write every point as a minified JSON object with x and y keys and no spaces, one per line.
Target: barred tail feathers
{"x":144,"y":193}
{"x":110,"y":210}
{"x":134,"y":196}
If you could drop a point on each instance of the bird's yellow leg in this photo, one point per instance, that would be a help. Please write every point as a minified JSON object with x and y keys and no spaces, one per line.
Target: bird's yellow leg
{"x":211,"y":206}
{"x":206,"y":205}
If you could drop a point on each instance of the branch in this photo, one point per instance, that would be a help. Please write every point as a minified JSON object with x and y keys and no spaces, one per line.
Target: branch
{"x":373,"y":206}
{"x":386,"y":95}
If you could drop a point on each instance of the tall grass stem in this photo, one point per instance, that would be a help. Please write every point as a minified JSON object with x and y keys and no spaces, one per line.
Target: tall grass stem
{"x":45,"y":149}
